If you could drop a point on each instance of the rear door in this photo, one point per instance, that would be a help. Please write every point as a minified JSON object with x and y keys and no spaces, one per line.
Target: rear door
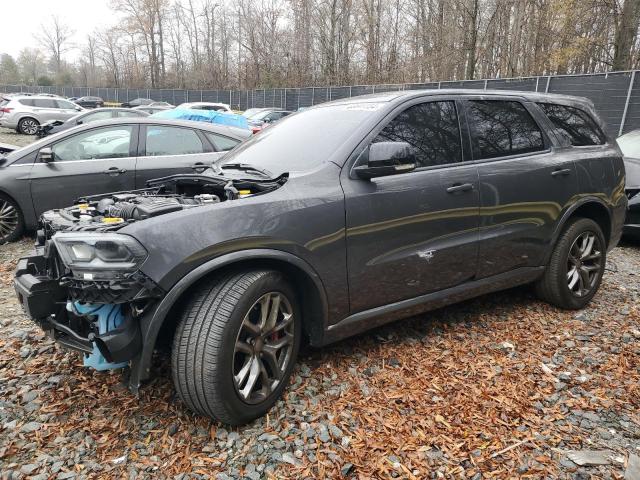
{"x":47,"y":109}
{"x":525,"y":183}
{"x":168,"y":150}
{"x":91,"y":162}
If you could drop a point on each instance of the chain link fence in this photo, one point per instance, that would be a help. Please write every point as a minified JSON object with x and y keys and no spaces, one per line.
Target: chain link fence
{"x":616,"y":95}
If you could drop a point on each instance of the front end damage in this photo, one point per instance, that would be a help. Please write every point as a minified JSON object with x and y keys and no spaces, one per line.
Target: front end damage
{"x":98,"y":318}
{"x":83,"y":283}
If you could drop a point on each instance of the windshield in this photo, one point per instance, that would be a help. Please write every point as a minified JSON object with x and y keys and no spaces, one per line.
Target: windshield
{"x":630,"y":144}
{"x":302,"y":141}
{"x":260,"y":115}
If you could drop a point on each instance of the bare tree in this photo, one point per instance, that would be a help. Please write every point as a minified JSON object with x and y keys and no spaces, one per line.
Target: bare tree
{"x":55,"y":37}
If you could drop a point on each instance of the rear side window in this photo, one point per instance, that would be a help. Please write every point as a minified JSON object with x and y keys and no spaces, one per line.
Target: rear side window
{"x":431,"y":129}
{"x":163,"y":140}
{"x":221,"y":142}
{"x":502,"y":128}
{"x":575,"y":124}
{"x":29,"y":102}
{"x":45,"y":103}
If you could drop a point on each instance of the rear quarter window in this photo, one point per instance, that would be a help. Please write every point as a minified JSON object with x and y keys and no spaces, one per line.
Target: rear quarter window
{"x":574,"y":124}
{"x":45,"y":103}
{"x":29,"y":102}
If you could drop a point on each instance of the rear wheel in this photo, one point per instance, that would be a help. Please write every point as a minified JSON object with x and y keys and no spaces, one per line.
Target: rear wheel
{"x":236,"y":345}
{"x":28,"y":126}
{"x":11,"y":220}
{"x":575,"y":269}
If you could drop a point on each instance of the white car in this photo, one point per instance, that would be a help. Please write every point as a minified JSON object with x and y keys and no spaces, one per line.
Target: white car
{"x":220,"y":107}
{"x":26,"y":113}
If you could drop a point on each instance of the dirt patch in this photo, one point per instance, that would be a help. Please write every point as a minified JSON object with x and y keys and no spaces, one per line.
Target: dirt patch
{"x":14,"y":138}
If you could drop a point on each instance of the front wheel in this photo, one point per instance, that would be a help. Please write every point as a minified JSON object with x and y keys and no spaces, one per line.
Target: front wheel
{"x":236,"y":345}
{"x":11,"y":220}
{"x":575,"y":269}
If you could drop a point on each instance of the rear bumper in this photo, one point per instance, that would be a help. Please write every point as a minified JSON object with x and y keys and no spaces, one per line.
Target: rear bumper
{"x":8,"y":123}
{"x":44,"y":300}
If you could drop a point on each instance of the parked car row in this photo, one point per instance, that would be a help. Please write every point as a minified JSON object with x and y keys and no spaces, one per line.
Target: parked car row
{"x":100,"y":156}
{"x":46,"y":113}
{"x":335,"y":220}
{"x":55,"y":126}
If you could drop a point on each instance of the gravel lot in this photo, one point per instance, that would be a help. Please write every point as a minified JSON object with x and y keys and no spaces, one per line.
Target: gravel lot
{"x":498,"y":387}
{"x":15,"y":138}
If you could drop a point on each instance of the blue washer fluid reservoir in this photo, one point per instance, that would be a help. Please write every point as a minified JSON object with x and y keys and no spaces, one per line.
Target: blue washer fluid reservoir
{"x":110,"y":317}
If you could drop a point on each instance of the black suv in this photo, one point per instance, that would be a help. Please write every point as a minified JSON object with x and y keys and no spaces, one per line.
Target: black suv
{"x":338,"y":219}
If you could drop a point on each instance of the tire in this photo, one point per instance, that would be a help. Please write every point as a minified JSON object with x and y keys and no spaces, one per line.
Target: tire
{"x":11,"y":220}
{"x":574,"y":291}
{"x":28,"y":126}
{"x":216,"y":354}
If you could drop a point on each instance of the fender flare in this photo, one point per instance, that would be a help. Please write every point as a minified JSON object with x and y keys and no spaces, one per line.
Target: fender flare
{"x":152,"y":321}
{"x":567,"y":215}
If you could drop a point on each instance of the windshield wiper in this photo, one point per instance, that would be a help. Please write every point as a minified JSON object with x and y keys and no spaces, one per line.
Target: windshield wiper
{"x":246,"y":167}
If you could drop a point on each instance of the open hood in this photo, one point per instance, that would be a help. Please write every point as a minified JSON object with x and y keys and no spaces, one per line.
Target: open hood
{"x":112,"y":211}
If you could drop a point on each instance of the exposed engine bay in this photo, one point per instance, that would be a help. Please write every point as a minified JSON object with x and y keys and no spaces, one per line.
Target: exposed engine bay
{"x":83,"y":285}
{"x":113,"y":211}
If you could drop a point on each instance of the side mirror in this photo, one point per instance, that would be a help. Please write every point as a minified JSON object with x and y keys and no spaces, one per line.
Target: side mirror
{"x":46,"y":155}
{"x":387,"y":158}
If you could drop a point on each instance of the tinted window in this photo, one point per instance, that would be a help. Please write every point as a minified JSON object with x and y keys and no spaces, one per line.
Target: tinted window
{"x":163,"y":140}
{"x":503,"y":128}
{"x":108,"y":142}
{"x":45,"y":103}
{"x":29,"y":102}
{"x":65,"y":104}
{"x":431,"y":129}
{"x":221,"y":142}
{"x":577,"y":125}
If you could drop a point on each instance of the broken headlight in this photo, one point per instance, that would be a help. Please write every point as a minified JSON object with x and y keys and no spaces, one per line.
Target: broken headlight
{"x":99,"y":256}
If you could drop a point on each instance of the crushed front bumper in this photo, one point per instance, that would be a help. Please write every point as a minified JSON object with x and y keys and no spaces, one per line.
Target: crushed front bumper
{"x":46,"y":301}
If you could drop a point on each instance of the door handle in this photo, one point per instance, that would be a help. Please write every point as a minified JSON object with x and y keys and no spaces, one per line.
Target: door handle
{"x":114,"y":171}
{"x":561,"y":171}
{"x":198,"y":166}
{"x":460,"y":187}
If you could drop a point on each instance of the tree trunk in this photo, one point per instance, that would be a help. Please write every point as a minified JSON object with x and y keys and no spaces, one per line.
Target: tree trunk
{"x":626,"y":32}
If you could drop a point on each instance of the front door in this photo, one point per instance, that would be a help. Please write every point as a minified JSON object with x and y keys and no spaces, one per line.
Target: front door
{"x":169,"y":150}
{"x":95,"y":161}
{"x":413,"y":233}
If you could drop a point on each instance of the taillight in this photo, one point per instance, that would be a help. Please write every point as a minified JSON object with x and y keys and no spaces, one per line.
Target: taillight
{"x":5,"y":110}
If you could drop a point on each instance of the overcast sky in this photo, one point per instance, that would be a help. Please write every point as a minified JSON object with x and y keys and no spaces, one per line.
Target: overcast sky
{"x":22,"y":19}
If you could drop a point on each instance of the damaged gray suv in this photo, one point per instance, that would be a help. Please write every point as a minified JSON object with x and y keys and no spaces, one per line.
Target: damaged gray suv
{"x":340,"y":218}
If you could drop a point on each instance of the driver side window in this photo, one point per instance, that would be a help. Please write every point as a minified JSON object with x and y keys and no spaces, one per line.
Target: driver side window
{"x":432,"y":130}
{"x":101,"y":143}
